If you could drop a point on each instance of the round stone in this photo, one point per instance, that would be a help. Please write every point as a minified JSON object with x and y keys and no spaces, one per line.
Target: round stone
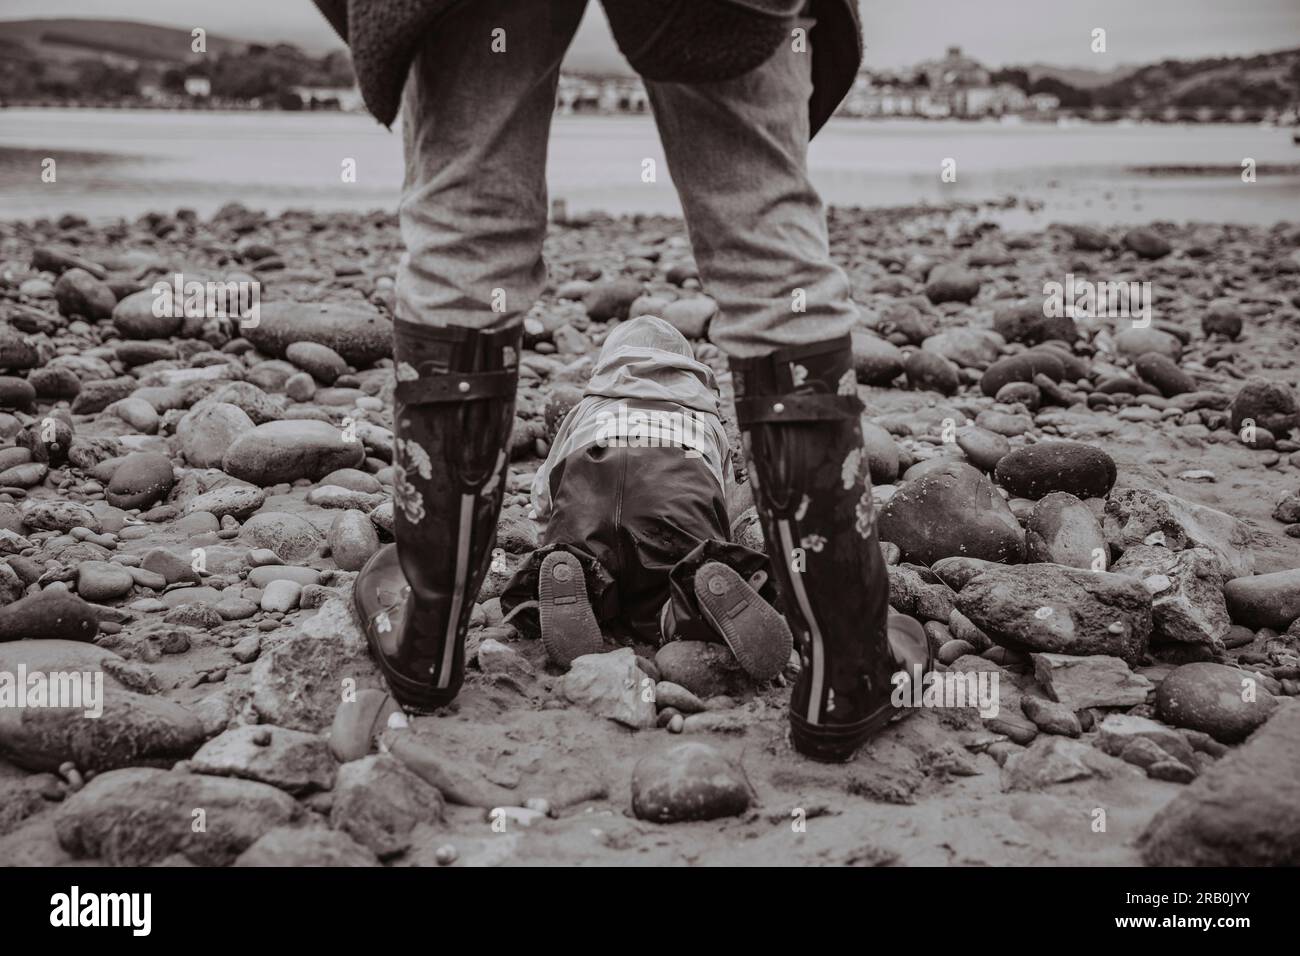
{"x":1084,"y":471}
{"x":1222,"y":701}
{"x":688,"y":781}
{"x":141,"y":479}
{"x":99,"y":581}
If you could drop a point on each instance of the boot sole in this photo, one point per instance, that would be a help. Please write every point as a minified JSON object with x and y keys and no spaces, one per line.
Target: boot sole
{"x":569,"y":627}
{"x":832,"y":743}
{"x":754,"y":630}
{"x":379,"y":580}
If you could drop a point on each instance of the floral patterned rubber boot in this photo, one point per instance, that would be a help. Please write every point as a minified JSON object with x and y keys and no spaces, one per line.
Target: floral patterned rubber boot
{"x":799,"y":415}
{"x":454,"y":409}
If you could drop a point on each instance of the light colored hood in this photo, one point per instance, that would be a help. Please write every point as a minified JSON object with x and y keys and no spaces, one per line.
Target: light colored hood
{"x":646,"y":358}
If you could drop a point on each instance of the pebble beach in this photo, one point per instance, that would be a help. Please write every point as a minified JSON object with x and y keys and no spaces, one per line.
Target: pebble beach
{"x":1100,"y":511}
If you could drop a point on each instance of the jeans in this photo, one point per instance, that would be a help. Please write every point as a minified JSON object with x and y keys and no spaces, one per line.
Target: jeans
{"x":474,"y":206}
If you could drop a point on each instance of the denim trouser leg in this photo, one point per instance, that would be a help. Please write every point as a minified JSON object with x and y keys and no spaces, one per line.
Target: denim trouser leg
{"x":737,"y":151}
{"x":475,"y":124}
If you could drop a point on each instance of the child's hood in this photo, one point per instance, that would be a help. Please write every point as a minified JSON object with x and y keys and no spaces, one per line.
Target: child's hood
{"x":646,"y":358}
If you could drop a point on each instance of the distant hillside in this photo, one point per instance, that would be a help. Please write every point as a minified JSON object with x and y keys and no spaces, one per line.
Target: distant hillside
{"x":1261,"y":81}
{"x":1251,"y":85}
{"x":122,"y":61}
{"x":1078,"y":77}
{"x":70,"y":39}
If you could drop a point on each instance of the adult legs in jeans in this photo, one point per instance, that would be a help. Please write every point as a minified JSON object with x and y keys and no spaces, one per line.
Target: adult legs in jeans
{"x":473,"y":216}
{"x":737,"y":151}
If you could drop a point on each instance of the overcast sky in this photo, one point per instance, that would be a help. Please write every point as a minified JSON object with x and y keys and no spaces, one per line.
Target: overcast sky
{"x":898,"y":32}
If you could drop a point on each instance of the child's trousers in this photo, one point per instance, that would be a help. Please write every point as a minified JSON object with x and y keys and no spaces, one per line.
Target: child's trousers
{"x":641,"y":521}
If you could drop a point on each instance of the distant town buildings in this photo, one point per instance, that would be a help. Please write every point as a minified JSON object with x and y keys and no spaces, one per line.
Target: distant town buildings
{"x":953,"y":86}
{"x":198,"y":86}
{"x":593,"y":94}
{"x":346,"y":98}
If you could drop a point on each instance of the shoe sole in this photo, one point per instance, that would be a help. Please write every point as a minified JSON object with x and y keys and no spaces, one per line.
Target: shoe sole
{"x":830,"y":743}
{"x":754,"y":630}
{"x":569,"y":627}
{"x":374,"y":594}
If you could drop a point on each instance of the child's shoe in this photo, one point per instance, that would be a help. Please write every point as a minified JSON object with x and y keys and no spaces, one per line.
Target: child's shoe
{"x":754,"y":630}
{"x":569,"y":627}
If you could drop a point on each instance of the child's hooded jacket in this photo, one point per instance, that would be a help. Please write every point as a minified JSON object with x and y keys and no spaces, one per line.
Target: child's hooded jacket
{"x":647,"y":390}
{"x":635,"y":483}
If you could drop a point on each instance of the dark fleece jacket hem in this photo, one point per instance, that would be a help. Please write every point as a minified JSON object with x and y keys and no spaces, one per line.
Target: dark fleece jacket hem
{"x":384,"y":36}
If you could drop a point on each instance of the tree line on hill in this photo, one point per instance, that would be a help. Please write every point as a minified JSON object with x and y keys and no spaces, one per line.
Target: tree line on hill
{"x":267,"y":73}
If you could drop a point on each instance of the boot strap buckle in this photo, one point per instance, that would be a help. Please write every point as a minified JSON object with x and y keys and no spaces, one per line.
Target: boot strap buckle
{"x":457,"y":387}
{"x":810,"y":407}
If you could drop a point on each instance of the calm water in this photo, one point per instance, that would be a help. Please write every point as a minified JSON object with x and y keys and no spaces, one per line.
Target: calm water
{"x":115,"y":163}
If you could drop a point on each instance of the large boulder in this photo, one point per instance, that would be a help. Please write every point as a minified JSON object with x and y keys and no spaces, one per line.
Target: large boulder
{"x":1186,"y":593}
{"x":361,"y":336}
{"x":1222,"y":701}
{"x":1033,"y":471}
{"x":51,"y":614}
{"x":1134,"y":515}
{"x":1049,"y":607}
{"x":139,"y":816}
{"x":1061,"y":529}
{"x":1265,"y":600}
{"x":953,"y":510}
{"x":1241,"y":811}
{"x":131,"y":729}
{"x":285,"y":451}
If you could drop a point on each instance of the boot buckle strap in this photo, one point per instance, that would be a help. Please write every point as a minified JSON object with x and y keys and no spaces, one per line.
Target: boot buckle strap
{"x":457,"y":387}
{"x":810,"y":407}
{"x":794,"y":353}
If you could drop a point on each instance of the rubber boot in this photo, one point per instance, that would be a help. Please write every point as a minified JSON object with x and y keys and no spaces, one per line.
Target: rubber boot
{"x":798,"y":413}
{"x":454,"y":409}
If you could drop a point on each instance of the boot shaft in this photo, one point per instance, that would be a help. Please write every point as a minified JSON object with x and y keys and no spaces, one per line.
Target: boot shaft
{"x":453,"y":415}
{"x":798,"y":411}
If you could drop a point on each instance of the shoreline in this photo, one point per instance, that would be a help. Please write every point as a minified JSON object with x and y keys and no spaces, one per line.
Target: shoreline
{"x":916,"y":214}
{"x":1071,"y":120}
